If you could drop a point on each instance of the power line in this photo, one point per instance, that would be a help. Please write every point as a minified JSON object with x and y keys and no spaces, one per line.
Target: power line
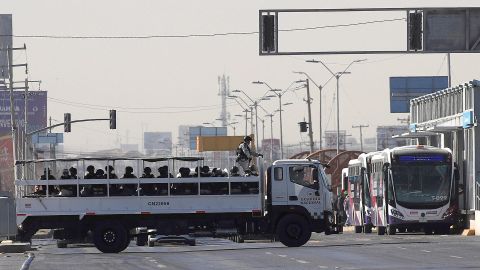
{"x":135,"y":108}
{"x":202,"y":35}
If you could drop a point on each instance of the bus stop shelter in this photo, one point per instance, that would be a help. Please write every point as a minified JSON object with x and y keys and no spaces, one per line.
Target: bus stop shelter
{"x":448,"y":118}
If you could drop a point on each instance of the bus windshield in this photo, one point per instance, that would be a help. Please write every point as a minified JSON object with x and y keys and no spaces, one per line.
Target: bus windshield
{"x":421,"y":183}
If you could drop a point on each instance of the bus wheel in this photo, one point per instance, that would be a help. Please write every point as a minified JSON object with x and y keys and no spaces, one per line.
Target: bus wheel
{"x":391,"y":230}
{"x":367,"y":228}
{"x":293,"y":230}
{"x":402,"y":230}
{"x":442,"y":229}
{"x":110,"y":237}
{"x":428,"y":230}
{"x":380,"y":230}
{"x":358,"y":229}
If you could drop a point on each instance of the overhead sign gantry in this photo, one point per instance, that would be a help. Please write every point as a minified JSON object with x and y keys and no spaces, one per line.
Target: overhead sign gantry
{"x":428,"y":30}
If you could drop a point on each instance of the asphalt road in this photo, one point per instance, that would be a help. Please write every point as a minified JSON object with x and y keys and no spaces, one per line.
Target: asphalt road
{"x":347,"y":251}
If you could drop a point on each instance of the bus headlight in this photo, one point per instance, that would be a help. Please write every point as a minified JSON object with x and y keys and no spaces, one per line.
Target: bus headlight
{"x":452,"y":210}
{"x":396,"y":213}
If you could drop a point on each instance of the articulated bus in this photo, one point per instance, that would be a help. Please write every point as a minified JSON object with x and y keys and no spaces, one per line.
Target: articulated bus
{"x":408,"y":188}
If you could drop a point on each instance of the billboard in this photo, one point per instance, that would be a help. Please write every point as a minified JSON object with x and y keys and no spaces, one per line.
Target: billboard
{"x":384,"y":136}
{"x":36,"y":109}
{"x":194,"y":132}
{"x":331,"y":139}
{"x":5,"y":42}
{"x":402,"y":89}
{"x":451,"y":29}
{"x":157,"y":141}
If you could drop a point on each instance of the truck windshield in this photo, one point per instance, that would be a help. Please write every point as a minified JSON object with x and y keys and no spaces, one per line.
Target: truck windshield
{"x":421,"y":184}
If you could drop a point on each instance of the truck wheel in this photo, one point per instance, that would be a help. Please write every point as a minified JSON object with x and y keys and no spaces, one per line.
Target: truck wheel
{"x":380,"y":230}
{"x":358,"y":229}
{"x":110,"y":237}
{"x":141,"y":240}
{"x":293,"y":230}
{"x":402,"y":230}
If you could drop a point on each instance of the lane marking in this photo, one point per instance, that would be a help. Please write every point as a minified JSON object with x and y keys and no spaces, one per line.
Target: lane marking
{"x":302,"y":261}
{"x":458,"y":257}
{"x":402,"y":248}
{"x":323,"y":267}
{"x":281,"y":255}
{"x":428,"y":251}
{"x":268,"y":253}
{"x":161,"y":266}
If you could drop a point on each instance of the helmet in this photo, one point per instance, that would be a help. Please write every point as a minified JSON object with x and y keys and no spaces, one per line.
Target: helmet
{"x":147,"y":170}
{"x":128,"y":169}
{"x":247,"y":139}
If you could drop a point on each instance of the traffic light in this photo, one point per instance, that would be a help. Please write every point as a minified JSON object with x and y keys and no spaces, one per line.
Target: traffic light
{"x":113,"y":119}
{"x":416,"y":26}
{"x":303,"y":126}
{"x":67,"y":118}
{"x":268,"y":33}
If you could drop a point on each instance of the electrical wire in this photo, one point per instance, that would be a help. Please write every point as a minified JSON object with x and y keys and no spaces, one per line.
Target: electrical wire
{"x":129,"y":110}
{"x":203,"y":35}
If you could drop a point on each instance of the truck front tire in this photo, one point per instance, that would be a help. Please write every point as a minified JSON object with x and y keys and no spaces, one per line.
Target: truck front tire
{"x":293,"y":230}
{"x":110,"y":237}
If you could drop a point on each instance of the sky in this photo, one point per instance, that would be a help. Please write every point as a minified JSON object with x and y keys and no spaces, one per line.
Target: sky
{"x":158,"y":84}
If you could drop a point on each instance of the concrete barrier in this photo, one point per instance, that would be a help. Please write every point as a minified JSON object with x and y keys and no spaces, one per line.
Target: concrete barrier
{"x":8,"y":224}
{"x":11,"y":247}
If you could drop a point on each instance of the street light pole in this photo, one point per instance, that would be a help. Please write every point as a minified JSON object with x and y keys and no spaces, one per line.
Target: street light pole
{"x":271,"y":136}
{"x":310,"y":129}
{"x":337,"y":77}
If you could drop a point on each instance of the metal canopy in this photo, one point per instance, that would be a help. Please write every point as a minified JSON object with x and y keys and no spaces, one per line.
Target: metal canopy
{"x":414,"y":135}
{"x":440,"y":129}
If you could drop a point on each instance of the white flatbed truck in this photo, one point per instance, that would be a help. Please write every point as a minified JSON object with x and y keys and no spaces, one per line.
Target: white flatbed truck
{"x":288,"y":201}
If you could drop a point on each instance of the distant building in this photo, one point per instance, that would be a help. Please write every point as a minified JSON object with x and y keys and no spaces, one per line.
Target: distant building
{"x":385,"y":133}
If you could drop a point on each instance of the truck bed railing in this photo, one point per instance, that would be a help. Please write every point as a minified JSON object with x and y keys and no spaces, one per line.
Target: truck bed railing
{"x":141,"y":187}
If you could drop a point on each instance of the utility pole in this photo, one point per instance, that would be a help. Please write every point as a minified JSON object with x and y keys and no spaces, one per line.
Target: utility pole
{"x":13,"y":123}
{"x":361,"y":134}
{"x":310,"y":129}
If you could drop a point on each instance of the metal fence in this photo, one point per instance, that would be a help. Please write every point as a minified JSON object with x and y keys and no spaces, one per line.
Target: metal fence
{"x":8,"y":225}
{"x":444,"y":103}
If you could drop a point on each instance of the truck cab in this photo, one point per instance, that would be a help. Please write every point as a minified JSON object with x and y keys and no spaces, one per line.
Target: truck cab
{"x":298,"y":189}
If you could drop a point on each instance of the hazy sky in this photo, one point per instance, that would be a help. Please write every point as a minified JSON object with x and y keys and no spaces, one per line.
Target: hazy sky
{"x":175,"y":79}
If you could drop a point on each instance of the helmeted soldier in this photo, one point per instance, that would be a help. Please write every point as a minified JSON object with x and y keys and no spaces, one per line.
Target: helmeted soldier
{"x":245,"y":155}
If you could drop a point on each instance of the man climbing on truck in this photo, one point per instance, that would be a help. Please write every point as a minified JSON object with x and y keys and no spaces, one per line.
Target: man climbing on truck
{"x":245,"y":155}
